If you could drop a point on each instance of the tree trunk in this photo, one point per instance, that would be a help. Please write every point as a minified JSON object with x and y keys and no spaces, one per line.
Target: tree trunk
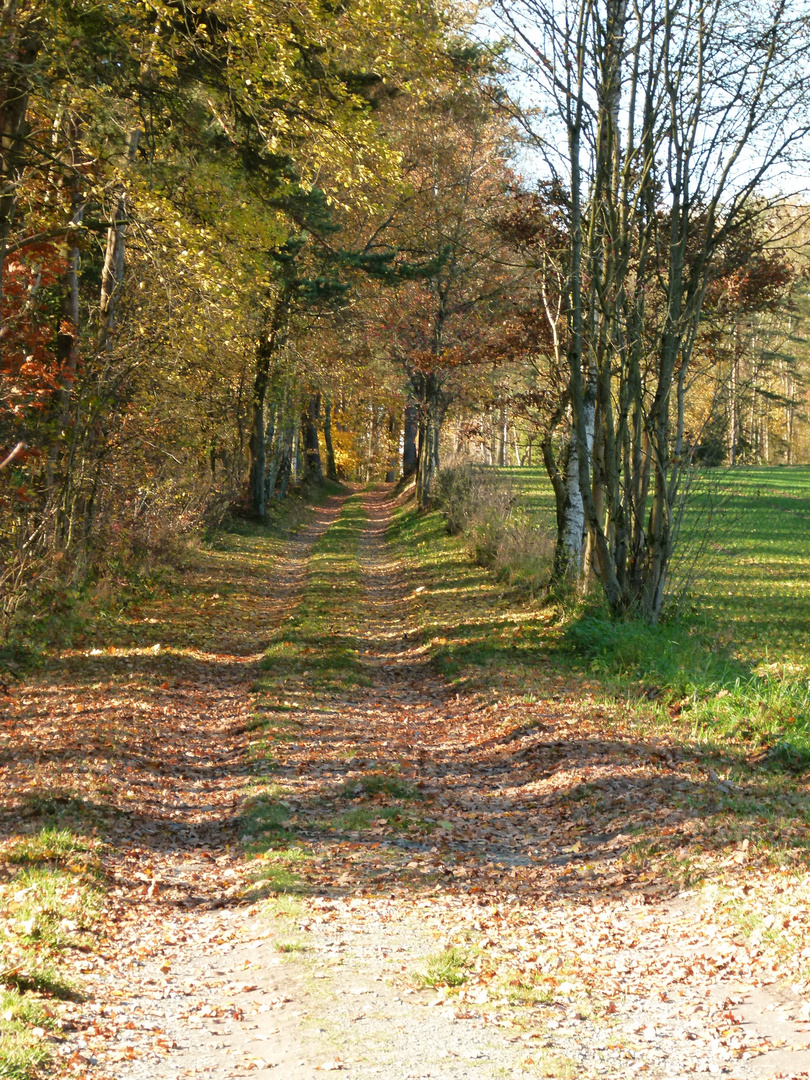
{"x":428,"y":462}
{"x":287,"y":453}
{"x":331,"y":467}
{"x":393,"y":429}
{"x":734,"y":418}
{"x":518,"y":459}
{"x":67,"y":336}
{"x":411,"y":428}
{"x":313,"y":470}
{"x":18,"y":70}
{"x":297,"y":456}
{"x":265,"y":352}
{"x":112,"y":273}
{"x":430,"y":426}
{"x":502,"y":436}
{"x":258,"y":442}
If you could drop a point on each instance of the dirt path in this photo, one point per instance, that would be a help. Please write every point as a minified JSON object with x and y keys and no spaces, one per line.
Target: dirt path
{"x":136,"y":744}
{"x":447,"y":926}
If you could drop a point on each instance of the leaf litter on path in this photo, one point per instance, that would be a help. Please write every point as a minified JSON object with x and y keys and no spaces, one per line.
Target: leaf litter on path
{"x":474,"y":897}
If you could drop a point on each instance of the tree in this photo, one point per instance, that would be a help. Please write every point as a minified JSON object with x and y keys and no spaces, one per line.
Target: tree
{"x":156,"y":161}
{"x":660,"y":124}
{"x":447,"y":252}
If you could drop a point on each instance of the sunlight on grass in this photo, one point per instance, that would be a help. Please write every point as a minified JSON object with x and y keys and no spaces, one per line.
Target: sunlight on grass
{"x":49,"y":844}
{"x":317,"y":647}
{"x":445,"y":968}
{"x":22,"y":1053}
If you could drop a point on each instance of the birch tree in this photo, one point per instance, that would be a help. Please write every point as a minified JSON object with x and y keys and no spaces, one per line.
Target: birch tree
{"x":662,"y":122}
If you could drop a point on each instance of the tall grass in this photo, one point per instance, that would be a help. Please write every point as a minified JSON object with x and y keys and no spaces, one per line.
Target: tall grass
{"x":499,"y":532}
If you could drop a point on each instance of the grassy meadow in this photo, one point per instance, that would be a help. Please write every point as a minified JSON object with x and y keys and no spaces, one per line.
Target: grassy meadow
{"x":732,"y":659}
{"x":745,"y":550}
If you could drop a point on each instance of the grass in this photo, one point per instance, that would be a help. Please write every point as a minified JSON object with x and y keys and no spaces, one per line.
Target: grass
{"x":316,"y":648}
{"x":50,"y":844}
{"x":287,"y":947}
{"x":753,"y":582}
{"x":556,"y":1065}
{"x":446,"y":968}
{"x":277,"y":873}
{"x":23,"y":1053}
{"x":49,"y":906}
{"x":724,"y":687}
{"x":314,"y":652}
{"x":262,"y":821}
{"x":733,"y":666}
{"x":526,"y":989}
{"x":674,"y":669}
{"x":372,"y":784}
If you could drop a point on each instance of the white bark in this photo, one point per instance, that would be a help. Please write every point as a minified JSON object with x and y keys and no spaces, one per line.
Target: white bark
{"x":574,"y":533}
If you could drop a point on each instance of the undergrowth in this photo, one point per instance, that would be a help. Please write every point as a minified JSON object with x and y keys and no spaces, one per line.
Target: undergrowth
{"x":70,"y":606}
{"x":484,"y":509}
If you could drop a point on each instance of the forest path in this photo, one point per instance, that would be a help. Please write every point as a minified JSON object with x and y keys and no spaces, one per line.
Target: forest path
{"x":447,"y":910}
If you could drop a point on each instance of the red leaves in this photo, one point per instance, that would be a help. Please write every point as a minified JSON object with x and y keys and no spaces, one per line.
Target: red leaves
{"x":30,"y":372}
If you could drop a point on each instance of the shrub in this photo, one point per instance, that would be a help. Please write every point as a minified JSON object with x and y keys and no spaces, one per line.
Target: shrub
{"x":482,"y":506}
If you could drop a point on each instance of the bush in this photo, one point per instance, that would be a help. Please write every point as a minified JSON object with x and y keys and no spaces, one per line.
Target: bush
{"x":482,"y":506}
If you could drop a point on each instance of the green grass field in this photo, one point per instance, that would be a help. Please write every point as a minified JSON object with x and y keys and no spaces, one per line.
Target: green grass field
{"x":749,"y":529}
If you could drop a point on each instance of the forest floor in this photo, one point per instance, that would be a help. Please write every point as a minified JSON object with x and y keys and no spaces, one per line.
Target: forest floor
{"x":258,"y":830}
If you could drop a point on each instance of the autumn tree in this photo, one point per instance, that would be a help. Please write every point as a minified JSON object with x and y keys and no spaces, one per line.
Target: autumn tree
{"x":455,"y":162}
{"x":156,"y":163}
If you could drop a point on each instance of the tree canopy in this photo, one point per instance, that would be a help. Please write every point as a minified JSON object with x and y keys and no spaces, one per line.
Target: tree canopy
{"x":244,"y":246}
